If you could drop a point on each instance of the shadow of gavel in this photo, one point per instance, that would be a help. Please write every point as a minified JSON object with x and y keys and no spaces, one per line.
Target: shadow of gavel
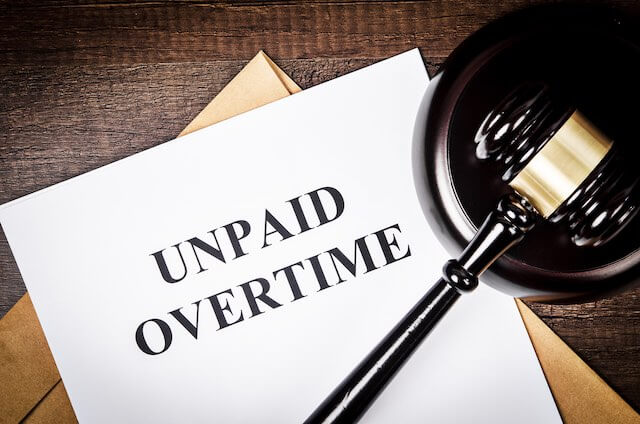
{"x":561,"y":168}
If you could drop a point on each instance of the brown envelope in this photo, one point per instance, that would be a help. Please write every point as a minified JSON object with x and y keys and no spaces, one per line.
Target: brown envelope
{"x":581,"y":395}
{"x":31,"y":388}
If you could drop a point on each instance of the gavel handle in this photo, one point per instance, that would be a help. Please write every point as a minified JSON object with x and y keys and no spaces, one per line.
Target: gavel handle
{"x":503,"y":228}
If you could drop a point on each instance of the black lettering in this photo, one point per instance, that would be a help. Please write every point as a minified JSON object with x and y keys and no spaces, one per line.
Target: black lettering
{"x":164,"y":270}
{"x":319,"y":207}
{"x":219,"y":309}
{"x":385,"y":244}
{"x":277,"y":228}
{"x":235,"y":238}
{"x":319,"y":272}
{"x":360,"y":246}
{"x":263,"y":297}
{"x":142,"y":341}
{"x":292,"y":280}
{"x":216,"y":252}
{"x":192,"y":329}
{"x":297,"y":210}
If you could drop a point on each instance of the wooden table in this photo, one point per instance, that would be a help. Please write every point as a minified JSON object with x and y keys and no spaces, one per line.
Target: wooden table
{"x":83,"y":85}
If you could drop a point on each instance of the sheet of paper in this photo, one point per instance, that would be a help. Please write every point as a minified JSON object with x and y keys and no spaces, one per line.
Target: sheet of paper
{"x":86,"y":250}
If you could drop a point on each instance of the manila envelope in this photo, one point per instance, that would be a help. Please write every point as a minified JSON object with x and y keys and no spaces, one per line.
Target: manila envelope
{"x":32,"y":391}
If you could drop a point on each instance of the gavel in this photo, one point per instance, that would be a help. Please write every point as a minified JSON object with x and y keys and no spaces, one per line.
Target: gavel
{"x":560,"y":168}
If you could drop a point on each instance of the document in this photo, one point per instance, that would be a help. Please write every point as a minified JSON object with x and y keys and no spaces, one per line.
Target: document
{"x":238,"y":274}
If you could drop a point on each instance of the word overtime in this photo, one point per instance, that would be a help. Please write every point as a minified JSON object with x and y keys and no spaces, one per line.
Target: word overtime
{"x":284,"y":285}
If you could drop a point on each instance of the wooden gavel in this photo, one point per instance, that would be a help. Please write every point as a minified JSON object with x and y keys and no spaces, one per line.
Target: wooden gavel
{"x":561,"y":168}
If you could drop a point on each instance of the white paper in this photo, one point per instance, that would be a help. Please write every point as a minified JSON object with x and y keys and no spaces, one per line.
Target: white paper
{"x":84,"y":250}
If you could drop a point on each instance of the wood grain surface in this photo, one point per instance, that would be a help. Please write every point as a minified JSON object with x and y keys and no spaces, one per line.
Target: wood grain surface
{"x":84,"y":84}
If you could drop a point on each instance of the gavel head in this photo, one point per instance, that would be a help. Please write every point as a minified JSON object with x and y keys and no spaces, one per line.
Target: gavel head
{"x":551,"y":154}
{"x":522,"y":106}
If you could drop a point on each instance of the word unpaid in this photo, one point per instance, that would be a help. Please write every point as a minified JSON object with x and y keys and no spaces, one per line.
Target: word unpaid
{"x":252,"y":298}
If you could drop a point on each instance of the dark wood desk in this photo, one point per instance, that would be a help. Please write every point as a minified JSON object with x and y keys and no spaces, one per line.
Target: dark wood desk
{"x":85,"y":84}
